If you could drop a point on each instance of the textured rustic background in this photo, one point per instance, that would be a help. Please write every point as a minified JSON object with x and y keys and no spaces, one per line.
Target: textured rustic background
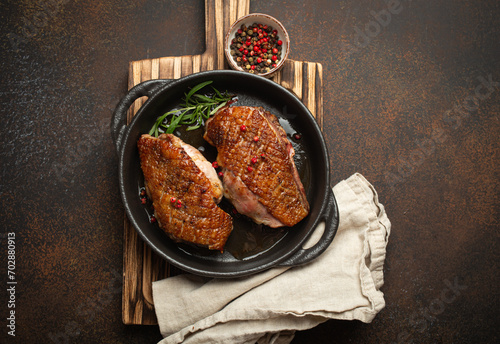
{"x":404,"y":106}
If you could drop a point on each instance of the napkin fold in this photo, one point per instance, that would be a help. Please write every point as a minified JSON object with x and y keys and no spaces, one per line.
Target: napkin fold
{"x":268,"y":307}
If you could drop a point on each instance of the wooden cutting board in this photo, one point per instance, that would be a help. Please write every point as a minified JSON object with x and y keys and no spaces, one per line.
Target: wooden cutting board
{"x":141,"y":266}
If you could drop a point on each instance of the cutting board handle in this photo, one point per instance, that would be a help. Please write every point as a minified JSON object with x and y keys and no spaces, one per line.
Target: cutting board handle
{"x":219,"y":15}
{"x":119,"y":119}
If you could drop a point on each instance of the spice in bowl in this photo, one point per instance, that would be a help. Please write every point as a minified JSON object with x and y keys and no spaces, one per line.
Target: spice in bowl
{"x":256,"y":48}
{"x":257,"y":43}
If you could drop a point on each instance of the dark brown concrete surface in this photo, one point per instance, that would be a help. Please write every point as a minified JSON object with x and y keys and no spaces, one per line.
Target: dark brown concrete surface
{"x":404,"y":106}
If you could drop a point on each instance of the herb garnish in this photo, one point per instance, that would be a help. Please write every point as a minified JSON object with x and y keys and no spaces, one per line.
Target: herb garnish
{"x":195,"y":110}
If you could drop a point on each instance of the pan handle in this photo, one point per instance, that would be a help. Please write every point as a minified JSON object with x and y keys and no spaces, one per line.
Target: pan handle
{"x":331,"y":218}
{"x":119,"y":119}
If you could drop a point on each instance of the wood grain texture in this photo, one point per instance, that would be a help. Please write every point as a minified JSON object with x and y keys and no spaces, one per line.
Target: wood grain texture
{"x":141,"y":266}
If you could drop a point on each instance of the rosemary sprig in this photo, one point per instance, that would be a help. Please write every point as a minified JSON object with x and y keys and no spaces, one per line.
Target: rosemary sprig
{"x":195,"y":109}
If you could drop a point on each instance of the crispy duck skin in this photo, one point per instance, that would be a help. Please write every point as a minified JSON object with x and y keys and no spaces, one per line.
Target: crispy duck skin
{"x":171,"y":171}
{"x":260,"y":176}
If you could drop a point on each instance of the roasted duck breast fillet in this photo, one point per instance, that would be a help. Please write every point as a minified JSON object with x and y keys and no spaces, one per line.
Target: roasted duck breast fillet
{"x":256,"y":157}
{"x":185,"y":190}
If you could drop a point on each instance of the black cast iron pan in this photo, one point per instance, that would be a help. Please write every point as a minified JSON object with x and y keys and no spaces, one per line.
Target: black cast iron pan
{"x":250,"y":248}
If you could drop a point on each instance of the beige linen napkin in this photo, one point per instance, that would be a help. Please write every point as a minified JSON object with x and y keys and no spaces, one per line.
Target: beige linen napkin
{"x":343,"y":283}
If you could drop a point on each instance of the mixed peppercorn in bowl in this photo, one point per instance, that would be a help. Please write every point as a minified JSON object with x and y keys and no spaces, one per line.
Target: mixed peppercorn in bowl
{"x":257,"y":43}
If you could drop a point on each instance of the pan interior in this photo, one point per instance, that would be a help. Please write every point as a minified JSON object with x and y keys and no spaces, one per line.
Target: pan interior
{"x":250,"y":246}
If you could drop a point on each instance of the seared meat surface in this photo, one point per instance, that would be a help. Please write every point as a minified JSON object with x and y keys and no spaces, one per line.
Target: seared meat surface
{"x":184,"y":195}
{"x":260,"y":177}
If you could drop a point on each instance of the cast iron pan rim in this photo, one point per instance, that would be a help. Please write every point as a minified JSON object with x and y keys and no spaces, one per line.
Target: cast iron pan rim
{"x":183,"y":263}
